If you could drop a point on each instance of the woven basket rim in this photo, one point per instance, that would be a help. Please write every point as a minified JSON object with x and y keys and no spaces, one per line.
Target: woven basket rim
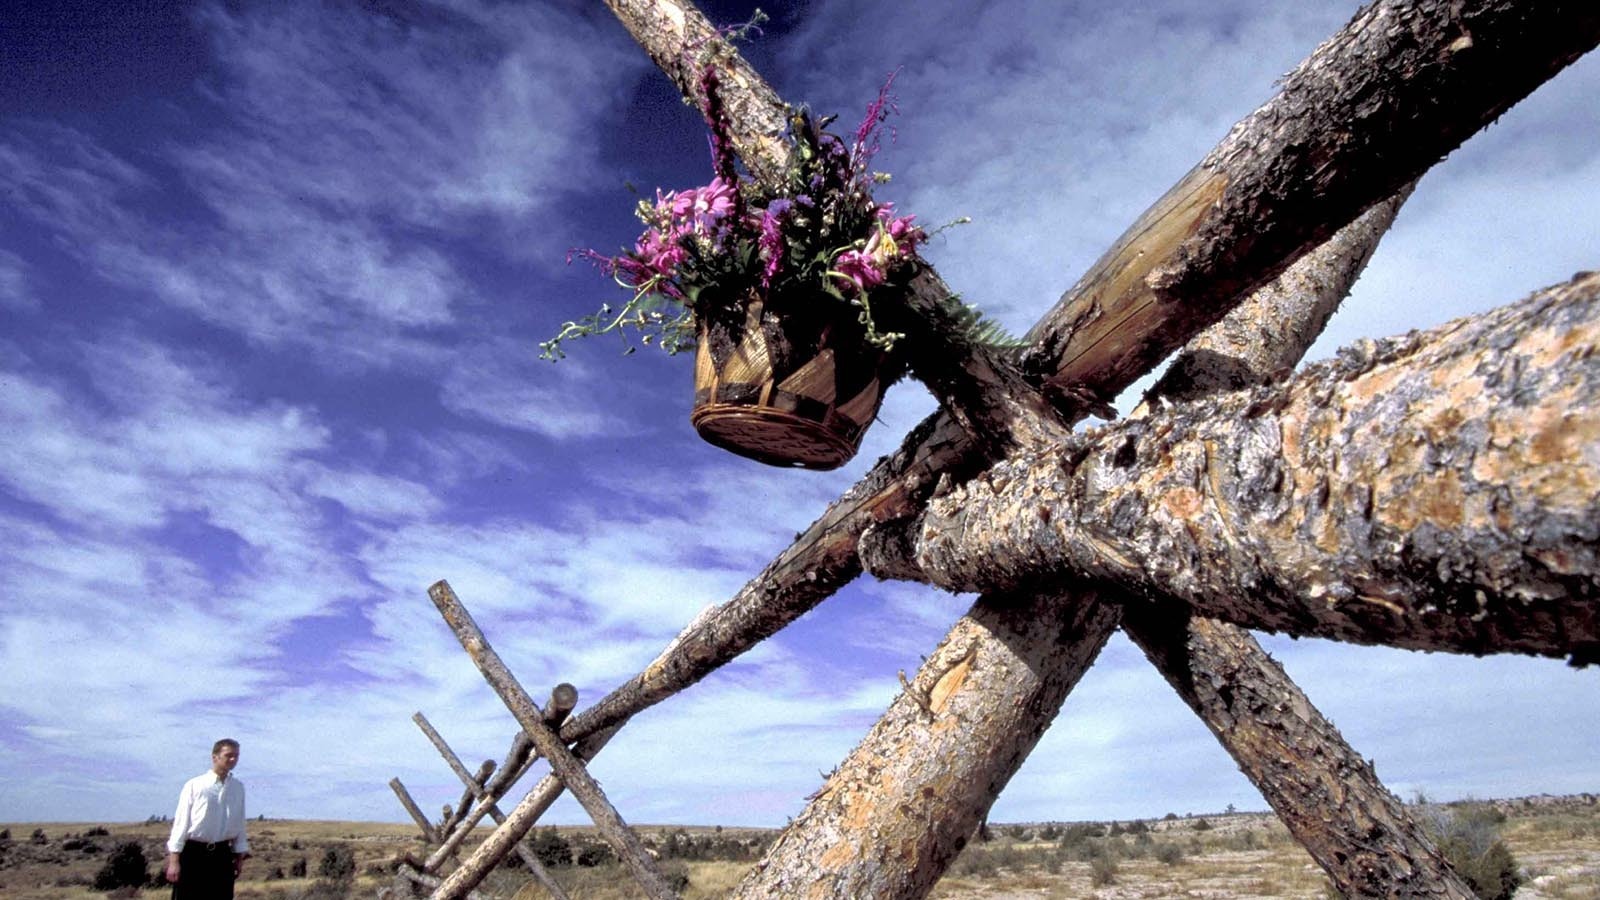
{"x":831,"y":449}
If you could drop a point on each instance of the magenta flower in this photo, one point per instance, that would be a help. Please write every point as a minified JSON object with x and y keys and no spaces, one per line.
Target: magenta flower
{"x":866,"y":141}
{"x":860,"y":268}
{"x":771,"y":240}
{"x":698,"y":210}
{"x":656,"y":255}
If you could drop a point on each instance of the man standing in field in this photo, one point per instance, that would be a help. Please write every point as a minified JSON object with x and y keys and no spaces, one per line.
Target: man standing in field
{"x":208,"y":847}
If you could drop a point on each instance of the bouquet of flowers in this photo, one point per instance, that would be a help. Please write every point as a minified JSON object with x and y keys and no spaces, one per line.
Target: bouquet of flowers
{"x":817,"y":235}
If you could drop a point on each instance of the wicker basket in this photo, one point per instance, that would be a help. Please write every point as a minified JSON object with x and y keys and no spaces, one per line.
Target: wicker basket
{"x":786,"y":390}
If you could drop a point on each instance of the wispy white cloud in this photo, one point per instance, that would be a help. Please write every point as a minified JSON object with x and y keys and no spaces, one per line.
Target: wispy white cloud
{"x":182,"y":534}
{"x":1051,"y":146}
{"x":220,"y":546}
{"x":505,"y":383}
{"x":350,"y":146}
{"x":14,"y":283}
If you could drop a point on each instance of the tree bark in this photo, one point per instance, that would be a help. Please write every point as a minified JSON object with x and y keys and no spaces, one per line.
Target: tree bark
{"x":1437,"y":491}
{"x":983,"y":753}
{"x":1263,"y":339}
{"x":892,"y":817}
{"x":680,"y":40}
{"x":1327,"y":795}
{"x":1374,"y":107}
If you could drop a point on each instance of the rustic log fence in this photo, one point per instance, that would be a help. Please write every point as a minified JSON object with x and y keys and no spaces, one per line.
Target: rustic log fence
{"x":1231,"y":498}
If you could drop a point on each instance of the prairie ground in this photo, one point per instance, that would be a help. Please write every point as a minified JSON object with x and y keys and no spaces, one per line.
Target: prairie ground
{"x":1556,"y":842}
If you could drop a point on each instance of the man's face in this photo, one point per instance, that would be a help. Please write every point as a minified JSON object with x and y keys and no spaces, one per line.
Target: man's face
{"x":223,"y":761}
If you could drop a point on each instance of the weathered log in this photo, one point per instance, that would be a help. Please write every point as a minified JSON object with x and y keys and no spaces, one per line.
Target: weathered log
{"x":823,"y":557}
{"x":1324,"y":791}
{"x":1373,"y":108}
{"x":679,"y":39}
{"x":563,"y":699}
{"x":415,"y":811}
{"x":425,"y":880}
{"x":1437,"y":491}
{"x":475,"y":786}
{"x":1327,"y":795}
{"x":520,"y":758}
{"x":740,"y":623}
{"x":991,"y":742}
{"x":1263,"y":339}
{"x":511,"y":831}
{"x":570,"y":769}
{"x":895,"y":814}
{"x":453,"y":816}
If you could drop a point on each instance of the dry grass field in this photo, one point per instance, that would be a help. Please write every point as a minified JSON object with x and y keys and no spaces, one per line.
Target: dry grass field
{"x":1556,"y":843}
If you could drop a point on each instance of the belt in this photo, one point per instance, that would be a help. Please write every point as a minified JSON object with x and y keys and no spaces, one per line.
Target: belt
{"x":213,"y":847}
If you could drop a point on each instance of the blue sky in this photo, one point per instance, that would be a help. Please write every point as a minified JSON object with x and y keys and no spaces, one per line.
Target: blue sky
{"x":272,"y":279}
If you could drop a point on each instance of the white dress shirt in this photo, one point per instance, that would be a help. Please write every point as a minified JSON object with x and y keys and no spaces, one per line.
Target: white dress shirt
{"x":210,"y":810}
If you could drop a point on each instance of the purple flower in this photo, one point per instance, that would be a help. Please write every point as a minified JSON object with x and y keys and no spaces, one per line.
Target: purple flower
{"x":718,"y":123}
{"x":771,"y":241}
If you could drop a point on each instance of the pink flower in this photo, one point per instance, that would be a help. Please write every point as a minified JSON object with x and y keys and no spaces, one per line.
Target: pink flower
{"x":655,"y":255}
{"x":900,"y":228}
{"x":699,"y":210}
{"x":861,"y":268}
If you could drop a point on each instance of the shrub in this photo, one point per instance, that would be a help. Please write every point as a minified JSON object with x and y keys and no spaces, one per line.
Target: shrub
{"x":976,"y":862}
{"x":38,"y":837}
{"x":552,"y":848}
{"x":97,"y":831}
{"x":1202,"y":825}
{"x":127,"y":867}
{"x":1049,"y":833}
{"x":1168,"y":854}
{"x":338,"y":864}
{"x":276,"y":874}
{"x":1469,"y":837}
{"x":1102,"y":866}
{"x":591,"y":855}
{"x":1079,"y":834}
{"x":676,"y":875}
{"x":1138,"y":826}
{"x":297,"y":869}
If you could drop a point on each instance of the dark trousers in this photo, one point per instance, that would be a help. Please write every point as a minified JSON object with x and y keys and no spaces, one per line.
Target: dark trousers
{"x":205,"y":872}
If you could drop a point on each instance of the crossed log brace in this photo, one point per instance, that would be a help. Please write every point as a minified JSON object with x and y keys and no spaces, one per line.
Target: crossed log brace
{"x":1257,"y":507}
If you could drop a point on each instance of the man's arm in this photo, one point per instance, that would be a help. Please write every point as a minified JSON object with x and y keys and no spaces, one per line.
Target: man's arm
{"x":180,"y":832}
{"x":241,"y":844}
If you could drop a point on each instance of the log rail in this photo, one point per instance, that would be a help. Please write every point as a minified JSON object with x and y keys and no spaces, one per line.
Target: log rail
{"x":1282,"y":182}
